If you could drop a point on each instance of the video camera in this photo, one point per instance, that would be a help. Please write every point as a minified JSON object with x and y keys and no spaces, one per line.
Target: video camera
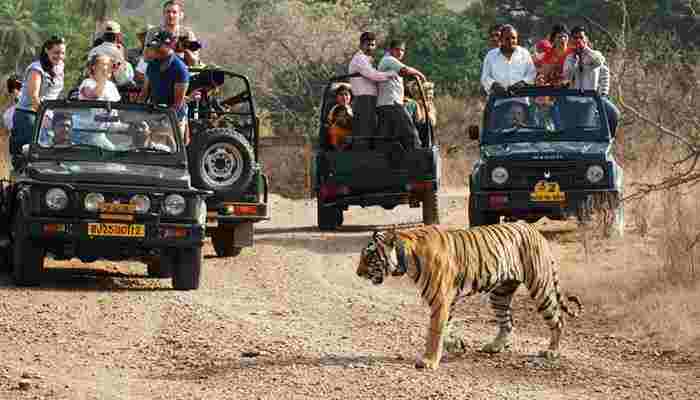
{"x":184,"y":43}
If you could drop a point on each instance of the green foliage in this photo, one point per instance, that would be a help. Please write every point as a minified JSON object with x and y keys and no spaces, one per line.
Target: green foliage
{"x":447,"y":48}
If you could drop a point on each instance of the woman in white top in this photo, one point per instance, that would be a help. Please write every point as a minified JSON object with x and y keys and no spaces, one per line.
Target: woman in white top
{"x":43,"y":80}
{"x":98,"y":86}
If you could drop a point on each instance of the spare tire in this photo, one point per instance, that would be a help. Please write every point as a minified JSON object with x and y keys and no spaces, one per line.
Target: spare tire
{"x":222,"y":160}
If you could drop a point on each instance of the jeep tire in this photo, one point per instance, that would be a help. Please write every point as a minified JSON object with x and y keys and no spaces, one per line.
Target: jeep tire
{"x":431,"y":214}
{"x":222,"y":241}
{"x":187,"y":269}
{"x":27,"y":256}
{"x":222,"y":160}
{"x":162,"y":265}
{"x":328,"y":217}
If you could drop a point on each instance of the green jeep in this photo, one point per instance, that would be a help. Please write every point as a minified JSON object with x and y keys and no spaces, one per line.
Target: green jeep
{"x":373,"y":171}
{"x":104,"y":181}
{"x":545,"y":152}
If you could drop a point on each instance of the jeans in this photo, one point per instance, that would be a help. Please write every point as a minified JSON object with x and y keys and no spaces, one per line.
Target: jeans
{"x":22,"y":130}
{"x":364,"y":119}
{"x":613,"y":114}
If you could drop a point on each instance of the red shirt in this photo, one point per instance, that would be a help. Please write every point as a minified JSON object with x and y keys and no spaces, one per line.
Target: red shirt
{"x":553,"y":65}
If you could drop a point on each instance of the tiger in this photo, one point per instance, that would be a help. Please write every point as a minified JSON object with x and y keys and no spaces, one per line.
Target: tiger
{"x":448,"y":265}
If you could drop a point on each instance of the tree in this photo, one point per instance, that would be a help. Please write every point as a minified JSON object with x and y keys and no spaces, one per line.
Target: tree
{"x":100,"y":10}
{"x":19,"y":34}
{"x":448,"y":48}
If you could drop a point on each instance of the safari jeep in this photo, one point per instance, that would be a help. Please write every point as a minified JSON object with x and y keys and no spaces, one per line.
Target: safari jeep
{"x":224,"y":157}
{"x":104,"y":181}
{"x":373,"y":171}
{"x":545,"y":152}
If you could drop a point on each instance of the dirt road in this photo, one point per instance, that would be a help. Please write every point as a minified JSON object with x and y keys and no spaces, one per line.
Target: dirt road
{"x":290,"y":320}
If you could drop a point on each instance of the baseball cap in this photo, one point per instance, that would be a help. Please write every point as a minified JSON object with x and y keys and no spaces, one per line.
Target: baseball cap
{"x":161,"y":38}
{"x":112,"y":26}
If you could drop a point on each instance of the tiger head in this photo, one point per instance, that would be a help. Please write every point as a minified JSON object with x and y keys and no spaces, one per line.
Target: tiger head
{"x":378,"y":258}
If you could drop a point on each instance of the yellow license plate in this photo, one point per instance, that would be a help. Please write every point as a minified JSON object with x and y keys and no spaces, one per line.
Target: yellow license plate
{"x":547,"y":191}
{"x":116,"y":230}
{"x":116,"y":208}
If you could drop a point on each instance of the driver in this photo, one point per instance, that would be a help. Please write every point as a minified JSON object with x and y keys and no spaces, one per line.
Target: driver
{"x":62,"y":125}
{"x":516,"y":116}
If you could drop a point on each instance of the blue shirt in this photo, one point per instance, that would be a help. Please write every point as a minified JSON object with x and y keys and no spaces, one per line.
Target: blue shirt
{"x":162,"y":76}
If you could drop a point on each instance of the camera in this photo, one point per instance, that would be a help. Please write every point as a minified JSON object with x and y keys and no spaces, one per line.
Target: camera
{"x":184,"y":43}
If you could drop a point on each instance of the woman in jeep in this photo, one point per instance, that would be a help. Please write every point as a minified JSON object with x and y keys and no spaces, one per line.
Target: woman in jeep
{"x":43,"y":80}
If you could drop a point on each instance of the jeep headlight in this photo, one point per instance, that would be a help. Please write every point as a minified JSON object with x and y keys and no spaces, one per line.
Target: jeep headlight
{"x":92,"y":201}
{"x":174,"y":205}
{"x":595,"y":173}
{"x":142,"y":203}
{"x":56,"y":199}
{"x":499,"y":175}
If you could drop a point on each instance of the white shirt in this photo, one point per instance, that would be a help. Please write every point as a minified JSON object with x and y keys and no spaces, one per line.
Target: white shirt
{"x":110,"y":92}
{"x":366,"y":84}
{"x":497,"y":68}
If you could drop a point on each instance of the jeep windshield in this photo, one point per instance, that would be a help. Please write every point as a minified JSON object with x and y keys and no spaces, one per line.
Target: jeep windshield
{"x":545,"y":115}
{"x":74,"y":130}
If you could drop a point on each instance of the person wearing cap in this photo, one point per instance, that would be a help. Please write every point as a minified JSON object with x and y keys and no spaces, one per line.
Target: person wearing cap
{"x":110,"y":43}
{"x":394,"y":120}
{"x":167,"y":78}
{"x":339,"y":122}
{"x":139,"y":61}
{"x":364,"y":87}
{"x":173,"y":17}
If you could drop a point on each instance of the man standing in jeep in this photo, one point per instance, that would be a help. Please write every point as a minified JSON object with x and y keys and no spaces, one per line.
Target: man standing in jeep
{"x":173,"y":17}
{"x":364,"y":88}
{"x":394,"y":120}
{"x":167,"y":78}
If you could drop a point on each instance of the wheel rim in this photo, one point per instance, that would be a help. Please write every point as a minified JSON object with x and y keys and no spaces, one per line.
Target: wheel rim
{"x":222,"y":165}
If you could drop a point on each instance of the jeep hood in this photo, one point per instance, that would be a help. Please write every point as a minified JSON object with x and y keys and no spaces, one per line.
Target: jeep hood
{"x":110,"y":173}
{"x":547,"y":150}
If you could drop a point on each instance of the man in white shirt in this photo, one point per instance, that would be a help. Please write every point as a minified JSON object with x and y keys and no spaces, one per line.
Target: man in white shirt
{"x":585,"y":69}
{"x":394,"y":120}
{"x":508,"y":66}
{"x":364,"y":88}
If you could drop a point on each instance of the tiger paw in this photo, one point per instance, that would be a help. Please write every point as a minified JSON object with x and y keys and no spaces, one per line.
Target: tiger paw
{"x":496,"y":346}
{"x":549,"y":354}
{"x":425,"y":363}
{"x":455,"y":345}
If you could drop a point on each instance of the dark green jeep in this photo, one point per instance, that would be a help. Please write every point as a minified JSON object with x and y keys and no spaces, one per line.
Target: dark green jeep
{"x":544,"y":152}
{"x":105,"y":181}
{"x":373,"y":171}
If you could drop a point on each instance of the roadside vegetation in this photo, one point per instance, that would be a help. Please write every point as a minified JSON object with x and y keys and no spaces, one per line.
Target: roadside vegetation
{"x":650,"y":288}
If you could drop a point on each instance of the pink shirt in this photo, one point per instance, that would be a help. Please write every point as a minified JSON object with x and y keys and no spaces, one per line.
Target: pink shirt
{"x":366,"y":84}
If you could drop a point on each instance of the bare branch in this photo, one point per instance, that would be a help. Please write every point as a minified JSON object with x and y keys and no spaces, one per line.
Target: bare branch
{"x":691,"y":146}
{"x":618,"y":43}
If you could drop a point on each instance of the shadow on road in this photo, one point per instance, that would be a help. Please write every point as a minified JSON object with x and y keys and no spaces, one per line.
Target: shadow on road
{"x":340,"y":229}
{"x":84,"y":279}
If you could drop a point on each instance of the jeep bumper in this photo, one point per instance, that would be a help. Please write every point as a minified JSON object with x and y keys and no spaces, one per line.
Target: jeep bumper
{"x":520,"y":203}
{"x":142,"y":234}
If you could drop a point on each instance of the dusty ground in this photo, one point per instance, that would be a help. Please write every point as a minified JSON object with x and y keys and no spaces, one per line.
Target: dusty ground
{"x":290,"y":320}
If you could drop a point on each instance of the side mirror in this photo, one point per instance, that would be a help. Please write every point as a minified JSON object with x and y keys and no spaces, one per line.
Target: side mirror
{"x":473,"y":131}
